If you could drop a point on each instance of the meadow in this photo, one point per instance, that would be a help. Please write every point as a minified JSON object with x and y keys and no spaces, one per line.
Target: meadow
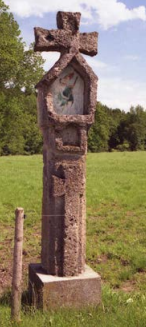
{"x":116,"y":241}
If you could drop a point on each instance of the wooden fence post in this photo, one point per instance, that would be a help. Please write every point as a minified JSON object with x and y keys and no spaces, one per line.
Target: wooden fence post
{"x":17,"y":265}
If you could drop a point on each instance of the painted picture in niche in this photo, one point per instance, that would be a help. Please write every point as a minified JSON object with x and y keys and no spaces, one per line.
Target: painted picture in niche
{"x":68,"y":93}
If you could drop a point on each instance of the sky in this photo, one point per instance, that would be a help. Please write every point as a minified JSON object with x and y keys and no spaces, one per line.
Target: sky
{"x":121,"y":61}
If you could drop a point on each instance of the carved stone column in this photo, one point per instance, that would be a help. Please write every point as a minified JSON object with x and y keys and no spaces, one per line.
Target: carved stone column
{"x":66,"y":105}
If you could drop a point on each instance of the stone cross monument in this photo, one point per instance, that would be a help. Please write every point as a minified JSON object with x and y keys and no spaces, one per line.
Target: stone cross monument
{"x":66,"y":106}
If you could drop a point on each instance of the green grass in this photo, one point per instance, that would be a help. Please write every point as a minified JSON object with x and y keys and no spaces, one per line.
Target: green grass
{"x":116,"y":225}
{"x":116,"y":242}
{"x":117,"y":310}
{"x":116,"y":178}
{"x":21,"y":185}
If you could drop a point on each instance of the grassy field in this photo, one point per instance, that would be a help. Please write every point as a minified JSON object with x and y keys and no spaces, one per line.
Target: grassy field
{"x":116,"y":241}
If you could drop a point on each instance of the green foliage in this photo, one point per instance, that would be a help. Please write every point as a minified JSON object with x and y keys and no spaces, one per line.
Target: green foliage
{"x":11,"y":48}
{"x":20,"y":70}
{"x":136,"y":128}
{"x":99,"y":133}
{"x":19,"y":133}
{"x":117,"y":130}
{"x":31,"y":71}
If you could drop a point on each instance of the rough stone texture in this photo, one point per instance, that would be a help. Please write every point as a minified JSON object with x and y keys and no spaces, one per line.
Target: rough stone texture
{"x":68,"y":21}
{"x":52,"y":292}
{"x":65,"y":144}
{"x":67,"y":36}
{"x":63,"y":221}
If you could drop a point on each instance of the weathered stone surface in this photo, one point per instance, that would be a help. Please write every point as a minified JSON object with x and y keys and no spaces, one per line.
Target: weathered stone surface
{"x":88,"y":43}
{"x":67,"y":36}
{"x":67,"y":96}
{"x":52,"y":292}
{"x":53,"y":40}
{"x":63,"y":221}
{"x":66,"y":106}
{"x":68,"y":21}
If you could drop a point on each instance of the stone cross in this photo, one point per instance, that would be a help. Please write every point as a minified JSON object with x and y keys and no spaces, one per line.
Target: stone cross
{"x":67,"y":37}
{"x":66,"y":106}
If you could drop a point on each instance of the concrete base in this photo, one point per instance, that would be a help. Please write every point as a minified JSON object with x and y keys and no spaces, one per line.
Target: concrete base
{"x":52,"y":292}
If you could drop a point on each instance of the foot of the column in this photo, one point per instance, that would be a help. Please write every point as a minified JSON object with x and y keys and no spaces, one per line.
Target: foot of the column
{"x":52,"y":292}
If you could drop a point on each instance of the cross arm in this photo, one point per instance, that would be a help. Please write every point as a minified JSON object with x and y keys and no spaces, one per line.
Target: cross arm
{"x":59,"y":40}
{"x":52,"y":40}
{"x":88,"y":43}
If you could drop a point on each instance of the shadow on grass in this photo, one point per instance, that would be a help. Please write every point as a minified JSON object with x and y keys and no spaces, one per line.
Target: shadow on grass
{"x":6,"y":299}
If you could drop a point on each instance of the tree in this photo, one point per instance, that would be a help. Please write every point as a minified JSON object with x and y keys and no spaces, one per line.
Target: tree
{"x":116,"y":116}
{"x":136,"y":128}
{"x":20,"y":70}
{"x":115,"y":129}
{"x":30,"y":71}
{"x":11,"y":48}
{"x":99,"y":133}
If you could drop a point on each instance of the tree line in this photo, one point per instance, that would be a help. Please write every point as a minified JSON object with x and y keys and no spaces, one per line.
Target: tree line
{"x":115,"y":129}
{"x":20,"y":70}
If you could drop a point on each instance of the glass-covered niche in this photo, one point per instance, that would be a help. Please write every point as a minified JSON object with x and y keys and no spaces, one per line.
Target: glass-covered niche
{"x":67,"y":93}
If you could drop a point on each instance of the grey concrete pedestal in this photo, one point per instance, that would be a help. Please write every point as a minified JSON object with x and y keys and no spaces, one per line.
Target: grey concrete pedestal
{"x":52,"y":292}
